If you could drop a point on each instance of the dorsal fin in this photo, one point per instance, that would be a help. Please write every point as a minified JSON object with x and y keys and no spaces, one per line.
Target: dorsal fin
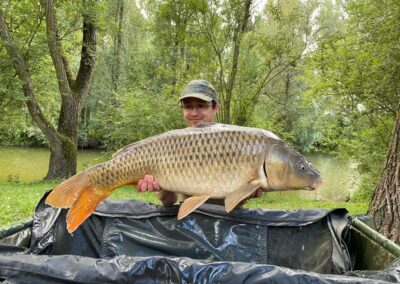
{"x":135,"y":144}
{"x":203,"y":124}
{"x":123,"y":149}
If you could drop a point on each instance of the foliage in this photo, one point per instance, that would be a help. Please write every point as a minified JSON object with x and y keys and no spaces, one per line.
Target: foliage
{"x":130,"y":126}
{"x":356,"y":70}
{"x":26,"y":22}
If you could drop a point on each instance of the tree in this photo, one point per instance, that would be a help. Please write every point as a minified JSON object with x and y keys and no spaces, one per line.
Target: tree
{"x":175,"y":41}
{"x":385,"y":203}
{"x":359,"y":70}
{"x":241,"y":19}
{"x":117,"y":40}
{"x":269,"y":89}
{"x":137,"y":108}
{"x":381,"y":37}
{"x":224,"y":25}
{"x":73,"y":91}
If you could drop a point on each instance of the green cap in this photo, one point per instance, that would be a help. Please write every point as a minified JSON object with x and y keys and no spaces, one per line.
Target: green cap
{"x":200,"y":89}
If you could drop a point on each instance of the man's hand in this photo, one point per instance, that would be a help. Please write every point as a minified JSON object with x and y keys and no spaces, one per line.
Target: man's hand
{"x":148,"y":183}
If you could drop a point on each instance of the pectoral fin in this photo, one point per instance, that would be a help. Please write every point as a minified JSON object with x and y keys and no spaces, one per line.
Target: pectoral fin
{"x":234,"y":198}
{"x":190,"y":204}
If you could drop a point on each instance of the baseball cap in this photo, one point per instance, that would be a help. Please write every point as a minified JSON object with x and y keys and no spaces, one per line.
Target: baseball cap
{"x":200,"y":89}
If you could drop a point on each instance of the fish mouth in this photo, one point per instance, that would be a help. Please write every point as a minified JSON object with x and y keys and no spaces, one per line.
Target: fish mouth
{"x":315,"y":185}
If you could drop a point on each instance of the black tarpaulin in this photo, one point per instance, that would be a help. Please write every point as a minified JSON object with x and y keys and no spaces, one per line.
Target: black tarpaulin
{"x":157,"y":269}
{"x":127,"y":241}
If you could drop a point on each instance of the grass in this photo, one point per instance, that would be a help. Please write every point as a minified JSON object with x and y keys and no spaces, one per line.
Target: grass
{"x":274,"y":200}
{"x":18,"y":200}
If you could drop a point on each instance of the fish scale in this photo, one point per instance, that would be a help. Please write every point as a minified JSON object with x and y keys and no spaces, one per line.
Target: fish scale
{"x":206,"y":161}
{"x":183,"y":162}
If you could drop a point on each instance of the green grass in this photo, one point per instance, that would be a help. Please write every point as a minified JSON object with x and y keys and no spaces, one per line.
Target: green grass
{"x":274,"y":200}
{"x":18,"y":201}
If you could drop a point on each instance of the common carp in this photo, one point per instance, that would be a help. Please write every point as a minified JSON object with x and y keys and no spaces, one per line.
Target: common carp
{"x":204,"y":161}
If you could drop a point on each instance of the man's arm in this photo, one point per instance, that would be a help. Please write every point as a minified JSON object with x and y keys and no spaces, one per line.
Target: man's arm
{"x":167,"y":198}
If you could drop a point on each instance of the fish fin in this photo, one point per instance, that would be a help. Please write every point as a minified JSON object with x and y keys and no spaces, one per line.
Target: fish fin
{"x":65,"y":194}
{"x":190,"y":204}
{"x":84,"y":207}
{"x":133,"y":145}
{"x":234,"y":198}
{"x":123,"y":150}
{"x":203,"y":124}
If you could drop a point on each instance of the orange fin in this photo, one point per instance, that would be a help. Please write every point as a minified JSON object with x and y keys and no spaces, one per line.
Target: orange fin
{"x":84,"y":207}
{"x":67,"y":193}
{"x":233,"y":198}
{"x":190,"y":204}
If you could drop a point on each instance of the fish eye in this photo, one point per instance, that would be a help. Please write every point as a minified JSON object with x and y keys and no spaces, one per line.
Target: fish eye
{"x":302,"y":167}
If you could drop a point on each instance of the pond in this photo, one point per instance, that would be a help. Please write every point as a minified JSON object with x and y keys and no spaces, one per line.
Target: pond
{"x":340,"y":178}
{"x":30,"y":164}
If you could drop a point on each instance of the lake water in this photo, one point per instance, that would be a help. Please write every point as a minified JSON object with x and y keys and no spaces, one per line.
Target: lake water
{"x":340,"y":178}
{"x":30,"y":164}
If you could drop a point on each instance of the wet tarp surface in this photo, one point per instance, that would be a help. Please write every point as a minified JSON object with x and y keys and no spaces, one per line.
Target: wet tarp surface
{"x":132,"y":241}
{"x":127,"y":269}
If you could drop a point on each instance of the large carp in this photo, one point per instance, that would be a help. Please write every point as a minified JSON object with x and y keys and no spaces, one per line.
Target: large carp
{"x":205,"y":161}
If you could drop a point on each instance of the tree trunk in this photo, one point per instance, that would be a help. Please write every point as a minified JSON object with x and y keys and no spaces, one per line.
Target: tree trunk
{"x":237,"y":36}
{"x":286,"y":103}
{"x":63,"y":158}
{"x":63,"y":140}
{"x":115,"y":70}
{"x":385,"y":204}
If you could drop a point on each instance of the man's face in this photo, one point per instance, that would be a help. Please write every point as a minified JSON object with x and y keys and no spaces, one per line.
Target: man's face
{"x":197,"y":111}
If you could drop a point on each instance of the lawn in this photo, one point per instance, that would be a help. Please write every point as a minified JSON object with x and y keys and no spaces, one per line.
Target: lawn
{"x":18,"y":201}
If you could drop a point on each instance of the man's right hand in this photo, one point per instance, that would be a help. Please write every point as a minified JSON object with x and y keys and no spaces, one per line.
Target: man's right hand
{"x":148,"y":183}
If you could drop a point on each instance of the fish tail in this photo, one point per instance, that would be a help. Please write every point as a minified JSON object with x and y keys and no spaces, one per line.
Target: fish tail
{"x":84,"y":207}
{"x":79,"y":194}
{"x":68,"y":192}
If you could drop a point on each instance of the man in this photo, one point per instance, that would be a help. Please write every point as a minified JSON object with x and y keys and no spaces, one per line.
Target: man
{"x":199,"y":103}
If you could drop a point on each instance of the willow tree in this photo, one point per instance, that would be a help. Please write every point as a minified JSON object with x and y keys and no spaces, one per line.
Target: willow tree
{"x":223,"y":26}
{"x":73,"y":90}
{"x":175,"y":41}
{"x":271,"y":60}
{"x":117,"y":43}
